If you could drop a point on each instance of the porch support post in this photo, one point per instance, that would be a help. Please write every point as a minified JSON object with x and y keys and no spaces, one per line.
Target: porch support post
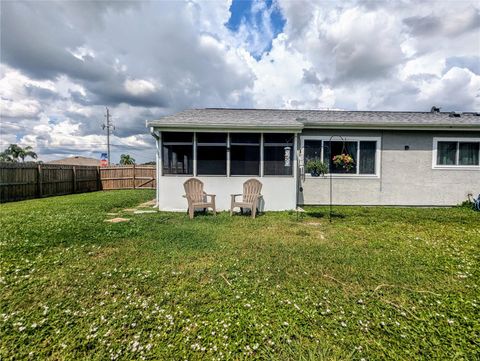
{"x":261,"y":155}
{"x":295,"y":167}
{"x":194,"y":154}
{"x":228,"y":154}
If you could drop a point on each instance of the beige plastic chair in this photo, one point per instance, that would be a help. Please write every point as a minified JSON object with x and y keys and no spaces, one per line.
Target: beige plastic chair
{"x":250,"y":197}
{"x":196,"y":196}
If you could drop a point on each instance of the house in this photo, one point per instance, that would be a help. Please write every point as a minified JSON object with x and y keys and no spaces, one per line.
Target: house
{"x":77,"y":160}
{"x":400,"y":158}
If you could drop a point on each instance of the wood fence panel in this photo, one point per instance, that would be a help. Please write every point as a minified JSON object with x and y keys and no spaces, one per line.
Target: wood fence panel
{"x":128,"y":177}
{"x":19,"y":181}
{"x":87,"y":179}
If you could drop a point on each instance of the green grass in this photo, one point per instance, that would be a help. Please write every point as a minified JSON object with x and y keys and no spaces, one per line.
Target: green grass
{"x":376,"y":283}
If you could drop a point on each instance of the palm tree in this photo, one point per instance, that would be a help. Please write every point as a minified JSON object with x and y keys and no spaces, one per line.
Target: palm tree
{"x":126,"y":159}
{"x":5,"y":157}
{"x":14,"y":152}
{"x":27,"y":152}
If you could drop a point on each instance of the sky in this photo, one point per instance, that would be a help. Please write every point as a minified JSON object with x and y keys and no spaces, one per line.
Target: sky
{"x":63,"y":62}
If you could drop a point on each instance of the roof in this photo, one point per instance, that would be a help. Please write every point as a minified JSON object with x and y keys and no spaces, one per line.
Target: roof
{"x":78,"y":160}
{"x":217,"y":118}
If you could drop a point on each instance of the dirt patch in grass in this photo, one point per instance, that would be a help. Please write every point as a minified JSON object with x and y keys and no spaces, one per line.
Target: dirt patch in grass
{"x":117,"y":220}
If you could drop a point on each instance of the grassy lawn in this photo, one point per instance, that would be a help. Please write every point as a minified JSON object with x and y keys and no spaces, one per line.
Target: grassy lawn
{"x":379,"y":283}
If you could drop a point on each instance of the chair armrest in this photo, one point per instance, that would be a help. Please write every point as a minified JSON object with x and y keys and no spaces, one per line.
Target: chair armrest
{"x":234,"y":196}
{"x":210,"y":195}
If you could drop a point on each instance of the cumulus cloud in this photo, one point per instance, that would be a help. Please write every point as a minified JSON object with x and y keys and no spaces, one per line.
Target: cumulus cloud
{"x":63,"y":62}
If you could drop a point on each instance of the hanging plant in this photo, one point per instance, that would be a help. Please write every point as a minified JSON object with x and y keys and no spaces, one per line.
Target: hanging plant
{"x":316,"y":167}
{"x":344,"y":160}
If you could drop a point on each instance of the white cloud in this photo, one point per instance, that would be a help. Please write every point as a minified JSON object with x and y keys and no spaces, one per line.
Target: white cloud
{"x":144,"y":60}
{"x":139,"y":86}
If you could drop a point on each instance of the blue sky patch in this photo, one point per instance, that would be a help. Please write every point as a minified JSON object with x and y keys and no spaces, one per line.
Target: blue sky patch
{"x":251,"y":14}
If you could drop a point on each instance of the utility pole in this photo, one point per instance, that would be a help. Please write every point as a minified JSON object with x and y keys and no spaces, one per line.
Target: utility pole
{"x":109,"y":125}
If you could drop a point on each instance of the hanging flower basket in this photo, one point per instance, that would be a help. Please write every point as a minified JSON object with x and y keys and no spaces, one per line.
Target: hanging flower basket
{"x":345,"y":161}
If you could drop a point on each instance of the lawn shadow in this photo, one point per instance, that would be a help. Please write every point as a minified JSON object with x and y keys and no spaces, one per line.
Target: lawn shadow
{"x":336,"y":215}
{"x":316,"y":214}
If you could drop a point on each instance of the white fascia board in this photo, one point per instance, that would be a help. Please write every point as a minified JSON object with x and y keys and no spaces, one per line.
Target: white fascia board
{"x":463,"y":127}
{"x":250,"y":129}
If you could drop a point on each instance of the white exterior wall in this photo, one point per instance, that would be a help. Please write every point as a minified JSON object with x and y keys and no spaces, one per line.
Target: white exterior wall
{"x":406,"y":177}
{"x":279,"y":193}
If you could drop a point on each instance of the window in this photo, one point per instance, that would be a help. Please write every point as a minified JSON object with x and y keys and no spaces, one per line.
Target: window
{"x":336,"y":148}
{"x":366,"y":162}
{"x":278,"y":154}
{"x":211,"y":153}
{"x":453,"y":152}
{"x":177,"y":153}
{"x":245,"y":154}
{"x":363,"y":152}
{"x":312,"y":150}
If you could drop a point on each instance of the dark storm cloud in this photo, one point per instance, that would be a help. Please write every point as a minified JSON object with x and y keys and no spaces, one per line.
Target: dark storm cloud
{"x":41,"y":93}
{"x":310,"y":77}
{"x":423,"y":25}
{"x":449,"y":25}
{"x":35,"y":40}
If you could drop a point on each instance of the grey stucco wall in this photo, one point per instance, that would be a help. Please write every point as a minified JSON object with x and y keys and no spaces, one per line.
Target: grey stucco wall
{"x":406,"y":176}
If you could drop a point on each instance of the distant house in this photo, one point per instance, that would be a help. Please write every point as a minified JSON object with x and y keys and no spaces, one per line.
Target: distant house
{"x":77,"y":160}
{"x":399,"y":158}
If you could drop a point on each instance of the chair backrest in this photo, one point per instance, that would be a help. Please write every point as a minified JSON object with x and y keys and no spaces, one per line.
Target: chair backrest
{"x":194,"y":189}
{"x":251,"y":188}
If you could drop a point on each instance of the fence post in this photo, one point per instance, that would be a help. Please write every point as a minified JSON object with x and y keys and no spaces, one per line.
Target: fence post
{"x":99,"y":179}
{"x":39,"y":180}
{"x":133,"y":175}
{"x":74,"y":172}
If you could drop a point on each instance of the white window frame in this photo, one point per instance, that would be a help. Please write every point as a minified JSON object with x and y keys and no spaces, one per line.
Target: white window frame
{"x":347,"y":139}
{"x":458,"y":140}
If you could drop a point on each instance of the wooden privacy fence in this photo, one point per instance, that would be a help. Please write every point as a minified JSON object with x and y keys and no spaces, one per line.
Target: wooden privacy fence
{"x":19,"y":181}
{"x":128,"y":177}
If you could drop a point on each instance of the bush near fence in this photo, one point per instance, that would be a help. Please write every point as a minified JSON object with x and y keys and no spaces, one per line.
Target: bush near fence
{"x":19,"y":181}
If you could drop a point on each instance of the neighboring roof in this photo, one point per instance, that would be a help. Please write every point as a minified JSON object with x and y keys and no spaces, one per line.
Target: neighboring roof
{"x":217,"y":118}
{"x":78,"y":160}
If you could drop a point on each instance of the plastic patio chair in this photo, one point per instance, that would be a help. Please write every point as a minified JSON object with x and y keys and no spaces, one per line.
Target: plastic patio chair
{"x":196,"y":196}
{"x":476,"y":203}
{"x":250,"y":197}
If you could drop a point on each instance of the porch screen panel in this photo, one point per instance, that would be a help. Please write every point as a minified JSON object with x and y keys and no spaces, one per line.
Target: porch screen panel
{"x":245,"y":154}
{"x":278,"y":154}
{"x":211,"y":153}
{"x":468,"y":153}
{"x":367,"y":157}
{"x":446,"y":153}
{"x":177,"y":153}
{"x":312,"y":150}
{"x":336,"y":148}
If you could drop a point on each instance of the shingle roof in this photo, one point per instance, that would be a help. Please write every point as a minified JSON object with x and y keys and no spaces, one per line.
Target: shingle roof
{"x":299,"y":119}
{"x":78,"y":160}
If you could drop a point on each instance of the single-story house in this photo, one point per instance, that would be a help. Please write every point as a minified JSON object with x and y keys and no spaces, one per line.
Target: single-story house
{"x":399,"y":158}
{"x":76,"y":160}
